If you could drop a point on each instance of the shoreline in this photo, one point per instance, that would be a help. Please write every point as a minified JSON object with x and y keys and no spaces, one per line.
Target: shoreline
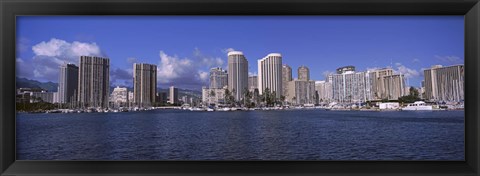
{"x":70,"y":111}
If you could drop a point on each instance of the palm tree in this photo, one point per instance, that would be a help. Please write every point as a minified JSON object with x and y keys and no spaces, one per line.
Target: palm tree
{"x":247,"y":98}
{"x":282,"y":99}
{"x":227,"y":96}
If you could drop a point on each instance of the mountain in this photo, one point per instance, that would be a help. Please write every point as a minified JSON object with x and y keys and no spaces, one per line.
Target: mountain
{"x":183,"y":92}
{"x":27,"y":83}
{"x":52,"y":87}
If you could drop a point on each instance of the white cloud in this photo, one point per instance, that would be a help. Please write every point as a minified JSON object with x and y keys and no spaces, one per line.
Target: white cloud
{"x":186,"y":72}
{"x":49,"y":55}
{"x":63,"y":49}
{"x":203,"y":75}
{"x":416,"y":60}
{"x":252,"y":74}
{"x":450,"y":59}
{"x":226,"y":50}
{"x":172,"y":67}
{"x":407,"y":72}
{"x":207,"y":61}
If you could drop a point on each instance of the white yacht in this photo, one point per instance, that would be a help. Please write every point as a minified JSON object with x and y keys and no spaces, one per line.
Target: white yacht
{"x":418,"y":105}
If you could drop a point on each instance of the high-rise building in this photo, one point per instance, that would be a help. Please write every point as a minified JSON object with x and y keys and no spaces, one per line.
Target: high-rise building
{"x":252,"y":83}
{"x":349,"y":86}
{"x":130,"y":98}
{"x":119,"y":97}
{"x":303,"y":73}
{"x":445,"y":83}
{"x":324,"y":91}
{"x":144,"y":84}
{"x":44,"y":96}
{"x":286,"y":77}
{"x":56,"y":99}
{"x":173,"y":95}
{"x":394,"y":86}
{"x":270,"y":74}
{"x":375,"y":83}
{"x":237,"y":74}
{"x":218,"y":78}
{"x":93,"y":81}
{"x":68,"y":83}
{"x":301,"y":92}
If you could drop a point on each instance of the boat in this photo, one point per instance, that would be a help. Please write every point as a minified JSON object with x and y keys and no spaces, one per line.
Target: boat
{"x":53,"y":111}
{"x":224,"y":109}
{"x":197,"y":109}
{"x":418,"y":106}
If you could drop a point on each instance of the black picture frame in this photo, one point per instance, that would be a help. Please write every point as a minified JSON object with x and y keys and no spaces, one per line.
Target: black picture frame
{"x":9,"y":9}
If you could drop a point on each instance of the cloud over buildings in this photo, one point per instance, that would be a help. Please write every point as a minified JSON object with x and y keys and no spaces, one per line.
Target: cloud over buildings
{"x":185,"y":72}
{"x":226,"y":50}
{"x":407,"y":72}
{"x":50,"y":55}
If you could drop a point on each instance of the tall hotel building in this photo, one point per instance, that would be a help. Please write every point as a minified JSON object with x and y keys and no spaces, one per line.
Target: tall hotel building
{"x":324,"y":91}
{"x":237,"y":74}
{"x":252,"y":83}
{"x":286,"y":77}
{"x":303,"y":73}
{"x":394,"y":86}
{"x":218,"y":78}
{"x":301,"y":91}
{"x":270,"y":74}
{"x":173,"y":95}
{"x":375,"y":83}
{"x":144,"y":84}
{"x":444,"y":83}
{"x":68,"y":83}
{"x":93,"y":81}
{"x":348,"y":85}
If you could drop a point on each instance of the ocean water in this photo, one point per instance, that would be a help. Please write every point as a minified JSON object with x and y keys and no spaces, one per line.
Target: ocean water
{"x":242,"y":135}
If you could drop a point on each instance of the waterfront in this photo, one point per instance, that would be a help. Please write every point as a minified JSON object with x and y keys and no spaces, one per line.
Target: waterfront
{"x":242,"y":135}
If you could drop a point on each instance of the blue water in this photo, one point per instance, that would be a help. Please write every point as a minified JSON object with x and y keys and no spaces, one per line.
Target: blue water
{"x":247,"y":135}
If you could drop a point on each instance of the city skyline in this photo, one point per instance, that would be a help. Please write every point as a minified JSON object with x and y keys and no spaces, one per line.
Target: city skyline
{"x":407,"y":44}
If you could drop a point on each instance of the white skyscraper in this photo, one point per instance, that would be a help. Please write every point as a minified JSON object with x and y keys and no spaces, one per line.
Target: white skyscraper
{"x":237,"y":74}
{"x":173,"y":95}
{"x":349,"y":86}
{"x":270,"y":74}
{"x":218,"y":78}
{"x":324,"y":91}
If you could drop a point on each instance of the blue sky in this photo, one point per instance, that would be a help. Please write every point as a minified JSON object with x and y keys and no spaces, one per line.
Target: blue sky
{"x":185,"y":47}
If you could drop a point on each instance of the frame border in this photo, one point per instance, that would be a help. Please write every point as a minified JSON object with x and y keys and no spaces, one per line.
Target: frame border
{"x":9,"y":9}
